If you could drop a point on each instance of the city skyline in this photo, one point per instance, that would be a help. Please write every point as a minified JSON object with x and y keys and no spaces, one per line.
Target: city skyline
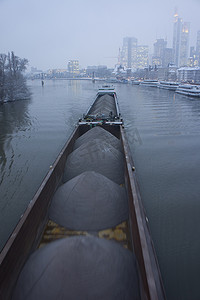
{"x":49,"y":34}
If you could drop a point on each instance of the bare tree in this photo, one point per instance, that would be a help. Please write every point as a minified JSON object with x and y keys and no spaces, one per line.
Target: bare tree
{"x":3,"y":59}
{"x":12,"y":82}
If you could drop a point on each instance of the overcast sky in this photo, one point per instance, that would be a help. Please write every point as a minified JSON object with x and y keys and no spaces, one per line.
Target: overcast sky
{"x":49,"y":33}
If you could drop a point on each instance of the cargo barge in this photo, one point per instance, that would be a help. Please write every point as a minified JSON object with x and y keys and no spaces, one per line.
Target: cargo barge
{"x":85,"y":234}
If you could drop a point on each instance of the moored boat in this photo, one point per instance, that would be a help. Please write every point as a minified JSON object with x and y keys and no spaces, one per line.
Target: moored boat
{"x":149,"y":82}
{"x":89,"y":197}
{"x":168,"y":85}
{"x":188,"y":90}
{"x":135,"y":82}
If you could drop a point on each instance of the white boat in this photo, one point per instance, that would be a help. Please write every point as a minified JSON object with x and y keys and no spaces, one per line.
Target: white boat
{"x":149,"y":82}
{"x":168,"y":85}
{"x":189,"y":90}
{"x":135,"y":82}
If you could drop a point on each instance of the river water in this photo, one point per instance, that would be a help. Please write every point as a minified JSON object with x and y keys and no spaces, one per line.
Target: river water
{"x":163,"y":131}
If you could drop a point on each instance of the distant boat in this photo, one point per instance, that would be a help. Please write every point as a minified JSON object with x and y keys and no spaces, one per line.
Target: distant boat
{"x":168,"y":85}
{"x":188,"y":90}
{"x":135,"y":82}
{"x":124,"y":80}
{"x":149,"y":82}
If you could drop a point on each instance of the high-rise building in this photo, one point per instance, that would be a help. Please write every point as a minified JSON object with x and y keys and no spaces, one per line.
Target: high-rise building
{"x":192,"y":51}
{"x":198,"y":42}
{"x":134,"y":56}
{"x":129,"y":52}
{"x":193,"y":60}
{"x":180,"y":41}
{"x":73,"y":67}
{"x":156,"y":61}
{"x":177,"y":38}
{"x":198,"y":47}
{"x":167,"y":57}
{"x":158,"y":55}
{"x":142,"y":56}
{"x":159,"y":47}
{"x":184,"y":47}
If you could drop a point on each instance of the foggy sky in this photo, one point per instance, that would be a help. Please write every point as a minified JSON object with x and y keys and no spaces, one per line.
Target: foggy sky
{"x":49,"y":33}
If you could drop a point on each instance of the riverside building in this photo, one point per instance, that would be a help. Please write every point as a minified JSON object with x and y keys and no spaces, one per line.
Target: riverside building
{"x":189,"y":75}
{"x":73,"y":67}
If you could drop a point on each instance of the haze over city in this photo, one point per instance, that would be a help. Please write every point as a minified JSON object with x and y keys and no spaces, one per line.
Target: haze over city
{"x":49,"y":33}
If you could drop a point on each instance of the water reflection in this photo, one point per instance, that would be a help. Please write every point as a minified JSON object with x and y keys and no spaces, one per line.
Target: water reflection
{"x":75,"y":87}
{"x":31,"y":135}
{"x":14,"y":117}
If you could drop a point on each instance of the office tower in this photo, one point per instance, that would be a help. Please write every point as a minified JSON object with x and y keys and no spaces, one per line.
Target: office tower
{"x":198,"y":47}
{"x":198,"y":42}
{"x":156,"y":61}
{"x":180,"y":41}
{"x":159,"y":47}
{"x":167,"y":57}
{"x":129,"y":53}
{"x":134,"y":56}
{"x":73,"y":67}
{"x":192,"y":51}
{"x":193,"y":60}
{"x":142,"y":56}
{"x":184,"y":46}
{"x":158,"y":55}
{"x":177,"y":38}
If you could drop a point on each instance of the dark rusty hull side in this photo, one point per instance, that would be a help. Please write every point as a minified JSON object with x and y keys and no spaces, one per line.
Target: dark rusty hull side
{"x":28,"y":231}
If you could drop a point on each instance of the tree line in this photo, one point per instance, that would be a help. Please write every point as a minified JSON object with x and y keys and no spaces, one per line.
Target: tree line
{"x":12,"y":81}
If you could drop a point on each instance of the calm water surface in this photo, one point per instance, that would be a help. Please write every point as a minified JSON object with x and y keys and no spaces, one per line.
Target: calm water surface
{"x":164,"y":137}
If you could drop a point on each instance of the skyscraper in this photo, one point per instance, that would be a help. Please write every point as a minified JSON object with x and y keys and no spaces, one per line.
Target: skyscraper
{"x":142,"y":56}
{"x":198,"y":42}
{"x":167,"y":57}
{"x":177,"y":38}
{"x":159,"y":47}
{"x":180,"y":41}
{"x":193,"y":59}
{"x":134,"y":56}
{"x":158,"y":56}
{"x":129,"y":52}
{"x":198,"y":47}
{"x":184,"y":47}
